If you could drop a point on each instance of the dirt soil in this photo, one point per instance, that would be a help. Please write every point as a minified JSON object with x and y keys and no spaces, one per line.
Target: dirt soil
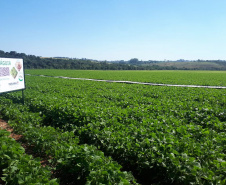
{"x":4,"y":125}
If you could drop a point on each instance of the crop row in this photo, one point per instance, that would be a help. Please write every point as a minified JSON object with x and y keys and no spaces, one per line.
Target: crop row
{"x":165,"y":135}
{"x":72,"y":163}
{"x":18,"y":167}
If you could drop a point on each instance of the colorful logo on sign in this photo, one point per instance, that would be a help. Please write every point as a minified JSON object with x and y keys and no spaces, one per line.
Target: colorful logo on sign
{"x":20,"y":78}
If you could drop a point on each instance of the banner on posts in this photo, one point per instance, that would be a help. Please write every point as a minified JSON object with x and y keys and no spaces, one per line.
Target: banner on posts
{"x":11,"y":74}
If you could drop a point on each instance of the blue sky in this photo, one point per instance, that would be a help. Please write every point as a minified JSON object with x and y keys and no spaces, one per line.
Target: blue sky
{"x":115,"y":29}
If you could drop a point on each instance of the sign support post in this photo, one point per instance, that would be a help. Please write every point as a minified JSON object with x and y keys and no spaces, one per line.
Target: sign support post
{"x":23,"y":97}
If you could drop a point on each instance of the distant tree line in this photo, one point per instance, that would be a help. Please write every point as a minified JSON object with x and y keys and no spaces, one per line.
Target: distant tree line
{"x":37,"y":62}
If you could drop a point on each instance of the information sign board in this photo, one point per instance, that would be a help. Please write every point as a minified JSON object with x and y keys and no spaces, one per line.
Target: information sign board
{"x":11,"y":74}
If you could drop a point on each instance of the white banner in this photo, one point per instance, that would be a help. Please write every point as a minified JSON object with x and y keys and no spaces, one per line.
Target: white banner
{"x":11,"y":74}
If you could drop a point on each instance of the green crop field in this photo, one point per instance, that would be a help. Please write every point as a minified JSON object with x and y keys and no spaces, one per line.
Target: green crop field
{"x":215,"y":78}
{"x":162,"y":135}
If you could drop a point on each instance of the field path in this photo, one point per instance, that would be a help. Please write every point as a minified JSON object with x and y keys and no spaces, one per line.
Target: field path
{"x":131,"y":82}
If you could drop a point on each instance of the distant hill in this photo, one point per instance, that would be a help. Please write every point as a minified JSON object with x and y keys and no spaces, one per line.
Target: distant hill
{"x":196,"y":65}
{"x":37,"y":62}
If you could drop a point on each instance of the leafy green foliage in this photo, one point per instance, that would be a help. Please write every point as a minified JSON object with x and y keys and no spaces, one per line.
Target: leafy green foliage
{"x":19,"y":168}
{"x":169,"y":135}
{"x":73,"y":163}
